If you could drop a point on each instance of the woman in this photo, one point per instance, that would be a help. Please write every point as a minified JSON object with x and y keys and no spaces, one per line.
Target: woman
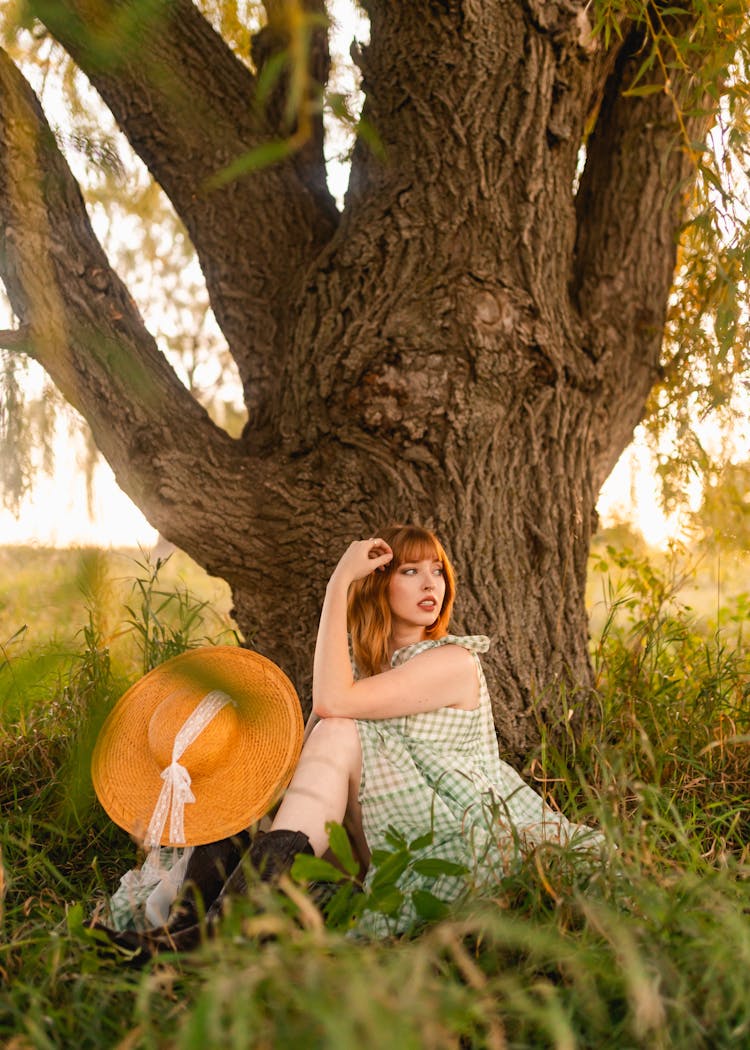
{"x":405,"y":739}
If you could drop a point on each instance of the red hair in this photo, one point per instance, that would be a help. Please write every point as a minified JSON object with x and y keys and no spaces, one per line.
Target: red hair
{"x":369,"y":611}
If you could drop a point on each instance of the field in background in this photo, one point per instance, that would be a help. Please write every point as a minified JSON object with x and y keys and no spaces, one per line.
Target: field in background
{"x":46,"y":594}
{"x":707,"y":582}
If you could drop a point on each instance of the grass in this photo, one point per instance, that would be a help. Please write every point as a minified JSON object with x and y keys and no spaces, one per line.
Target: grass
{"x":707,"y":581}
{"x":138,"y":608}
{"x":47,"y":593}
{"x":650,"y":950}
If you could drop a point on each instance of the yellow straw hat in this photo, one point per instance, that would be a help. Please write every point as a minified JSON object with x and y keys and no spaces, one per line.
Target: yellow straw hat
{"x":209,"y":739}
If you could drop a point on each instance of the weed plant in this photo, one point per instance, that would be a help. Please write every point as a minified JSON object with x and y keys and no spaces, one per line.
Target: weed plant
{"x":649,"y":949}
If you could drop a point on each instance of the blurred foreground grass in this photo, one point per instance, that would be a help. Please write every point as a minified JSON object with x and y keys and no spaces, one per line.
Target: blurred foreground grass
{"x":649,"y":950}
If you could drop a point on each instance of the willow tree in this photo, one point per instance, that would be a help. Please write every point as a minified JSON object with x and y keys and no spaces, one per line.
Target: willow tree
{"x":469,"y":343}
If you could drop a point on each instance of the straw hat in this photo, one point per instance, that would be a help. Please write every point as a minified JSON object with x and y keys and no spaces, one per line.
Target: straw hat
{"x":209,"y":739}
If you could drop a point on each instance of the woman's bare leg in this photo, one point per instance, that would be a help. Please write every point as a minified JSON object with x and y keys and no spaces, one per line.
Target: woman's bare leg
{"x":325,"y":786}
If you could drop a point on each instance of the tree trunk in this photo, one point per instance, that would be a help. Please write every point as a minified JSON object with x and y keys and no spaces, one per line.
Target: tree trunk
{"x":469,"y":346}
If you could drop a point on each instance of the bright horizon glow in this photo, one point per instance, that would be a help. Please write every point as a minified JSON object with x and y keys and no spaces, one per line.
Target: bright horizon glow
{"x":56,"y":513}
{"x":631,"y":494}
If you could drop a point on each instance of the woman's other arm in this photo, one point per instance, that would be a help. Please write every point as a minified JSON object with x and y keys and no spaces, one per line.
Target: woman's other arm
{"x":332,"y":669}
{"x":440,"y":677}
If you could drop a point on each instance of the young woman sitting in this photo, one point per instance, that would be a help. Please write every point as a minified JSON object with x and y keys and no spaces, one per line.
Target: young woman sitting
{"x":404,"y":737}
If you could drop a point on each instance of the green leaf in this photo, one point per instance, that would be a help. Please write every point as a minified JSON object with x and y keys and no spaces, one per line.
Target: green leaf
{"x":643,"y":90}
{"x":422,"y":842}
{"x":428,"y":906}
{"x":387,"y":901}
{"x":712,"y":178}
{"x":254,"y":160}
{"x":369,"y":135}
{"x":74,"y":918}
{"x":315,"y":869}
{"x":390,"y":870}
{"x":269,"y":76}
{"x":341,"y":847}
{"x":395,"y":838}
{"x":339,"y":106}
{"x":434,"y":866}
{"x":345,"y":907}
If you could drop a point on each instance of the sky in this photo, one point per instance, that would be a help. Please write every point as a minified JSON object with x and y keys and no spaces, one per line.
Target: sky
{"x":62,"y":510}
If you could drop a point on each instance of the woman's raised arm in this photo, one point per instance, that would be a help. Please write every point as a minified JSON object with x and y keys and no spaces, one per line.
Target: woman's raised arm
{"x":332,"y":669}
{"x":441,"y":677}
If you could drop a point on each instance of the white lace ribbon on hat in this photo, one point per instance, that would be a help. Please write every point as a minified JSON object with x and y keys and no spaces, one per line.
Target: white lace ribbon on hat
{"x":175,"y":793}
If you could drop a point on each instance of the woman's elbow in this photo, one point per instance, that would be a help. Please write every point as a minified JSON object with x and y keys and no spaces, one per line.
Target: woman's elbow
{"x":328,"y":708}
{"x":322,"y":709}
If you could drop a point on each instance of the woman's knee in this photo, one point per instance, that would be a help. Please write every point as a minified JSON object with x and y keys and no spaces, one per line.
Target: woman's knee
{"x":338,"y":735}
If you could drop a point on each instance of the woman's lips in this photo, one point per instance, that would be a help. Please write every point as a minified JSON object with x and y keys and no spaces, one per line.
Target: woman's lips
{"x":427,"y":603}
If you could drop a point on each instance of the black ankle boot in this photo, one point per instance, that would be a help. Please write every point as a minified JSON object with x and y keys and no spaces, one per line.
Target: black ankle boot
{"x":272,"y":852}
{"x":207,"y":871}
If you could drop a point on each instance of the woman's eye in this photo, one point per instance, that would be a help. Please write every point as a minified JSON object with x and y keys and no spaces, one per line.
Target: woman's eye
{"x":439,"y":572}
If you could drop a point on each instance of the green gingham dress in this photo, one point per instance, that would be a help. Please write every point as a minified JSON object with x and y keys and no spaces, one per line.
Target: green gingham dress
{"x":440,"y":771}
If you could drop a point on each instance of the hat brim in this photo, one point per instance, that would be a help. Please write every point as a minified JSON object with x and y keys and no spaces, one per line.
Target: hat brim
{"x":248,"y":780}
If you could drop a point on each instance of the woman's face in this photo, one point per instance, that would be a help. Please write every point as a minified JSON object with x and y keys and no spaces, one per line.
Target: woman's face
{"x":415,"y":592}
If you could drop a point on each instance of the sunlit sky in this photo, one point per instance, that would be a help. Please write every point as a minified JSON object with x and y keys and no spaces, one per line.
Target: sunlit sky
{"x":62,"y":510}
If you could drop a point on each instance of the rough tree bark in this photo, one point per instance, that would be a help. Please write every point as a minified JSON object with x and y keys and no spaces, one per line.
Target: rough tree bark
{"x":469,"y":344}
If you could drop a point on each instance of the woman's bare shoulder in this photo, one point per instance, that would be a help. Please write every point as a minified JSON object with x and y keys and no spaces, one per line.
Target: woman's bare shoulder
{"x":447,"y":655}
{"x":454,"y":667}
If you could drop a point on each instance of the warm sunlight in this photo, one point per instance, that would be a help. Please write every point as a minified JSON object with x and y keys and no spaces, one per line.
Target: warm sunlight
{"x":57,"y":513}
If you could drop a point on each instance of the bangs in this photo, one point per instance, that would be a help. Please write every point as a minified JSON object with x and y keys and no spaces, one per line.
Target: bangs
{"x":412,"y":545}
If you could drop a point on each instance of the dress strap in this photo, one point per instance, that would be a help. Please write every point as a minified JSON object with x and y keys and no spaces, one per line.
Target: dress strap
{"x":478,"y":643}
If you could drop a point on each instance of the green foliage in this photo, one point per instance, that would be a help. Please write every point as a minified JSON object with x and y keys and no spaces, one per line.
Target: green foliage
{"x":381,"y":894}
{"x":285,"y":82}
{"x":48,"y":593}
{"x":705,"y":46}
{"x":648,"y":951}
{"x":164,"y":623}
{"x":121,"y":638}
{"x":724,"y":515}
{"x":671,"y":742}
{"x":26,"y":430}
{"x":139,"y":231}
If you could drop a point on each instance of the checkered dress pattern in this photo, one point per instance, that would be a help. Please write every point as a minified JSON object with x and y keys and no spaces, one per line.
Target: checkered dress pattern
{"x":440,"y":771}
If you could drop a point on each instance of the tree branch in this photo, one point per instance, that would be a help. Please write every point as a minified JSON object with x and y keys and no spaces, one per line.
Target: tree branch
{"x":16,"y":339}
{"x":632,"y":199}
{"x":186,"y":103}
{"x":308,"y":32}
{"x":78,"y":320}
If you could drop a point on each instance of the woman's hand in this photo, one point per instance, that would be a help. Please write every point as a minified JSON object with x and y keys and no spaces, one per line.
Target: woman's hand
{"x":360,"y":559}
